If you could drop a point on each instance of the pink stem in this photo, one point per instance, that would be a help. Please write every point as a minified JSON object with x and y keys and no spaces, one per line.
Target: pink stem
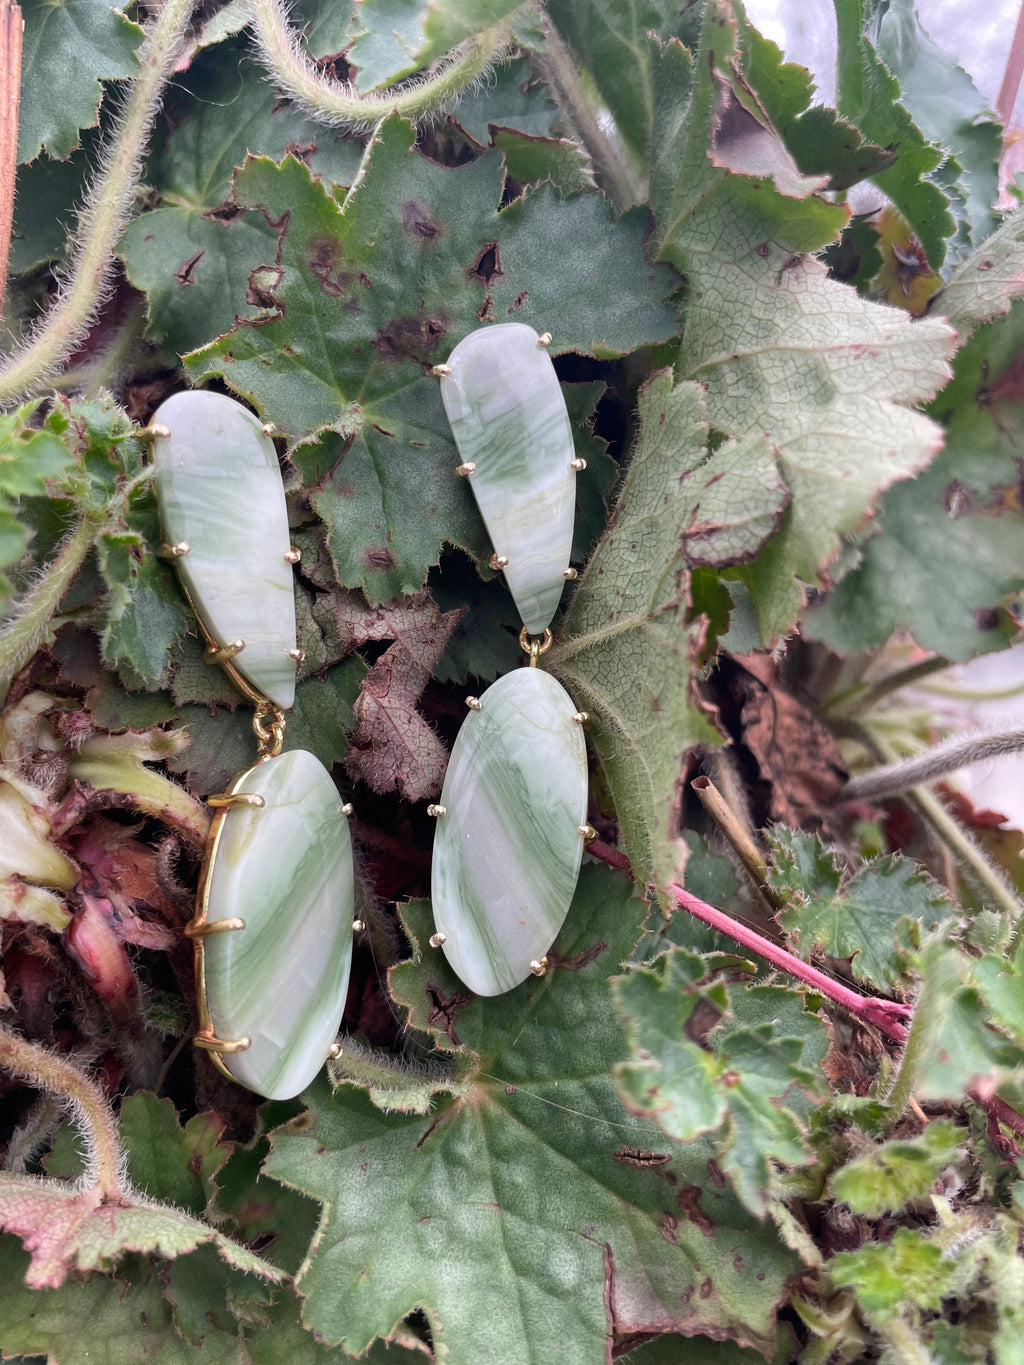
{"x":1007,"y":96}
{"x":885,"y":1015}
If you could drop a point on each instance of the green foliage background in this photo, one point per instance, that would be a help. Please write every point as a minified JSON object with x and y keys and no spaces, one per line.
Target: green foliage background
{"x":662,"y":1151}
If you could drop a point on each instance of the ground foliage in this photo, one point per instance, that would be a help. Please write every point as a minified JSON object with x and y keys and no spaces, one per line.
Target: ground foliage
{"x":665,"y":1150}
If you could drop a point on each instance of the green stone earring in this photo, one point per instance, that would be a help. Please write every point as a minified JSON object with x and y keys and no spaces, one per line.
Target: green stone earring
{"x":512,"y":814}
{"x":273,"y":923}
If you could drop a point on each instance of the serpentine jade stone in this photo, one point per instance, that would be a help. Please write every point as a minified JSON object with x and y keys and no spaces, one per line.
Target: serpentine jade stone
{"x":508,"y":417}
{"x":286,"y":869}
{"x":507,"y":850}
{"x":219,"y":487}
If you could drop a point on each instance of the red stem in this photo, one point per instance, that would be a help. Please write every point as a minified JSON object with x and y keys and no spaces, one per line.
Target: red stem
{"x":885,"y":1015}
{"x":1007,"y":96}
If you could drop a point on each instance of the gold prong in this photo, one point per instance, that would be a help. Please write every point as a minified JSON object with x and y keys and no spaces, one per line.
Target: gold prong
{"x":299,"y":655}
{"x":464,"y":470}
{"x":173,"y":551}
{"x":214,"y":655}
{"x":587,"y":832}
{"x":437,"y":939}
{"x":347,"y":808}
{"x":539,"y":966}
{"x":499,"y":561}
{"x":293,"y":556}
{"x":268,"y":428}
{"x":441,"y":371}
{"x":473,"y":703}
{"x":153,"y":430}
{"x":334,"y":1052}
{"x":209,"y":1043}
{"x":543,"y":341}
{"x":579,"y":464}
{"x":213,"y":926}
{"x":436,"y":811}
{"x":358,"y":926}
{"x":223,"y":799}
{"x":580,"y":717}
{"x":570,"y":574}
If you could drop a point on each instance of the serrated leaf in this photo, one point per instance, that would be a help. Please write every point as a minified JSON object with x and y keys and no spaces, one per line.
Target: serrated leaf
{"x":736,"y":1083}
{"x":45,"y":196}
{"x":909,"y":1268}
{"x":858,"y":921}
{"x":987,"y":282}
{"x":627,"y":652}
{"x":868,"y":94}
{"x":953,"y":540}
{"x":69,"y":49}
{"x":345,"y":344}
{"x":143,"y":612}
{"x":535,"y":1191}
{"x":895,"y":1172}
{"x":531,"y":159}
{"x":780,"y":348}
{"x":169,"y":1161}
{"x":512,"y":98}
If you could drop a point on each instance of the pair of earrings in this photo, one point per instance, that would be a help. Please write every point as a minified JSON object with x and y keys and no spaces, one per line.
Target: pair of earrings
{"x":273,"y":925}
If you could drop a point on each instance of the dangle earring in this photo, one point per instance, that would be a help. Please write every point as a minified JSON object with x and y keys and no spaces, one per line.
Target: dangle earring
{"x":273,"y":923}
{"x":512,"y":814}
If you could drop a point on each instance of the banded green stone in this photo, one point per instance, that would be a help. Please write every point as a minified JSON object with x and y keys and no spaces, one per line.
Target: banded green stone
{"x":507,"y":850}
{"x":286,"y":869}
{"x":218,"y":484}
{"x":508,"y":417}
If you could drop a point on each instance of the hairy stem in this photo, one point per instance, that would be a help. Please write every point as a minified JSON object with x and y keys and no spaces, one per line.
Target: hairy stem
{"x":360,"y":1065}
{"x":53,"y":1074}
{"x":919,"y":1040}
{"x":110,"y":200}
{"x":21,"y":639}
{"x":937,"y":762}
{"x":329,"y":102}
{"x":557,"y":68}
{"x":904,"y":1343}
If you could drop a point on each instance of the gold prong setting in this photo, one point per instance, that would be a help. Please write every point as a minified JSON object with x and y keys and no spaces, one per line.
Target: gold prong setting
{"x":570,"y":574}
{"x":438,"y":940}
{"x":440,"y":371}
{"x":224,"y":800}
{"x":587,"y":833}
{"x":497,"y":561}
{"x":578,"y":465}
{"x":204,"y":928}
{"x":210,"y":1043}
{"x":464,"y":470}
{"x":293,"y":556}
{"x":539,"y":966}
{"x":436,"y":811}
{"x":299,"y":655}
{"x":178,"y":551}
{"x":543,"y":341}
{"x":473,"y":703}
{"x":220,"y":654}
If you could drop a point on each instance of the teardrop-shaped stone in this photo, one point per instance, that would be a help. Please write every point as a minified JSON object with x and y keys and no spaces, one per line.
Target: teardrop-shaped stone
{"x":508,"y":417}
{"x":507,"y":850}
{"x":219,"y":487}
{"x":285,"y":868}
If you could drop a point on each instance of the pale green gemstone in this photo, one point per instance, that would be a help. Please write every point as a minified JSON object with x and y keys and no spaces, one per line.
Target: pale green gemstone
{"x":286,"y":869}
{"x":507,"y":850}
{"x":219,"y":487}
{"x":508,"y":417}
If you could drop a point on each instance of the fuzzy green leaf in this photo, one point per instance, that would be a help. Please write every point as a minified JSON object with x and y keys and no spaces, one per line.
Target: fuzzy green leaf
{"x":736,"y":1085}
{"x":627,"y":652}
{"x":69,"y":49}
{"x":989,"y":280}
{"x":344,"y":345}
{"x":950,"y":544}
{"x":895,"y":1172}
{"x":868,"y":94}
{"x":909,"y":1268}
{"x":860,"y":919}
{"x":531,"y":159}
{"x":534,"y":1192}
{"x":780,"y":348}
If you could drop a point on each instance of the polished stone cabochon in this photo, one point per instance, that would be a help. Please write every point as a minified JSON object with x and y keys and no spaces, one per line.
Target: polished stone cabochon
{"x":508,"y":417}
{"x":218,"y":484}
{"x":286,"y":869}
{"x":507,"y":851}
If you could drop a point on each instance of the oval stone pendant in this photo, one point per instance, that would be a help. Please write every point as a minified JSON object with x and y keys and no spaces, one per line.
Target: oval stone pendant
{"x":508,"y":846}
{"x":223,"y":514}
{"x":273,"y":928}
{"x":511,"y":427}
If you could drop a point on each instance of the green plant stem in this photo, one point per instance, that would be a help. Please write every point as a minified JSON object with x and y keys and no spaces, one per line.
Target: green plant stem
{"x":361,"y":1065}
{"x":110,"y":199}
{"x":901,"y":1092}
{"x":330,"y":102}
{"x":56,"y":1076}
{"x":30,"y":628}
{"x":937,"y":762}
{"x":893,"y":682}
{"x":957,"y":839}
{"x":904,"y":1343}
{"x":558,"y":69}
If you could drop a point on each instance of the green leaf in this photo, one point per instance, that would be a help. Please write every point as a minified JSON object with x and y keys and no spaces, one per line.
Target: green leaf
{"x":910,"y":1268}
{"x":984,"y":285}
{"x":780,"y":348}
{"x":46,"y":193}
{"x":736,"y":1082}
{"x":143,"y":612}
{"x":167,"y":1161}
{"x":947,"y":108}
{"x":950,"y":544}
{"x":858,"y":921}
{"x":627,"y":650}
{"x":895,"y":1172}
{"x":346,"y":345}
{"x":535,"y":1193}
{"x":512,"y":98}
{"x":869,"y":96}
{"x":68,"y":50}
{"x":531,"y":159}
